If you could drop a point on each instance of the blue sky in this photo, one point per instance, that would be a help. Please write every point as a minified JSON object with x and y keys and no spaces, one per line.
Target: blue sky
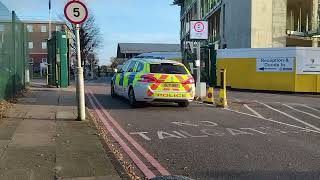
{"x":151,"y":21}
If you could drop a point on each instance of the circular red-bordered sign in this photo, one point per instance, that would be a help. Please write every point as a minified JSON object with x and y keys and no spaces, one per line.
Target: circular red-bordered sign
{"x":199,"y":27}
{"x":76,"y":12}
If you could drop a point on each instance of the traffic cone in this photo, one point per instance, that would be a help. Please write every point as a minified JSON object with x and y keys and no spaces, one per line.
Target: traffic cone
{"x":210,"y":96}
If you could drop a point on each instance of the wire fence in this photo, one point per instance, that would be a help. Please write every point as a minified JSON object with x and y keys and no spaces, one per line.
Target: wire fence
{"x":13,"y":54}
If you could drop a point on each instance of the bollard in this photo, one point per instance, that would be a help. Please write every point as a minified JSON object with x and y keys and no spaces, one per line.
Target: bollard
{"x":210,"y":96}
{"x":222,"y":102}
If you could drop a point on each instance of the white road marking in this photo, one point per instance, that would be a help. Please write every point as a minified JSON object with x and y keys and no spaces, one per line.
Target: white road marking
{"x":271,"y":120}
{"x":253,"y":111}
{"x":250,"y":109}
{"x":292,"y":117}
{"x":254,"y":130}
{"x":165,"y":135}
{"x":298,"y":110}
{"x":317,"y":110}
{"x":236,"y":132}
{"x":142,"y":134}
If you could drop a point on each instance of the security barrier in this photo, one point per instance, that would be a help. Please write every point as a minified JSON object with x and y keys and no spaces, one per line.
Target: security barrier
{"x":274,"y":69}
{"x":13,"y":54}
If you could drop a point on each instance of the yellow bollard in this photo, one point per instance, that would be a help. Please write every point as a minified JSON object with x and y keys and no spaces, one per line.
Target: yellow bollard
{"x":210,"y":96}
{"x":222,"y":102}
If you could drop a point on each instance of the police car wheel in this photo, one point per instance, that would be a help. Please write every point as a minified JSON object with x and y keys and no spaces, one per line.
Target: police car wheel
{"x":132,"y":98}
{"x":183,"y":104}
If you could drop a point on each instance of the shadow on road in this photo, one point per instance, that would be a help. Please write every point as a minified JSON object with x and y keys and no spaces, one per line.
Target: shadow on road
{"x":109,"y":102}
{"x":261,"y":175}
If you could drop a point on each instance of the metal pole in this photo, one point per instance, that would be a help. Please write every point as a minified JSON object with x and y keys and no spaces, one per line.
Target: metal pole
{"x":49,"y":23}
{"x":80,"y":81}
{"x":199,"y":51}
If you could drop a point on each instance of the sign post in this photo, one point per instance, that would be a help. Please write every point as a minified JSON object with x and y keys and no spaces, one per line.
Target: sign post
{"x":76,"y":12}
{"x":198,"y":32}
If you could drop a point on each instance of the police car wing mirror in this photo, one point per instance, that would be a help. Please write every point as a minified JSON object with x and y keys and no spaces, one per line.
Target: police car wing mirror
{"x":115,"y":70}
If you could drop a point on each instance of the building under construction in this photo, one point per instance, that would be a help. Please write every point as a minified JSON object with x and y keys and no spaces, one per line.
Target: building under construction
{"x":253,"y":23}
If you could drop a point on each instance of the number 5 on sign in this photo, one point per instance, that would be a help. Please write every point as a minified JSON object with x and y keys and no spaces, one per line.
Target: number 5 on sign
{"x":76,"y":12}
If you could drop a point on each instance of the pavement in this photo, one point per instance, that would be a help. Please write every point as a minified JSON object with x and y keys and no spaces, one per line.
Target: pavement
{"x":260,"y":136}
{"x":41,"y":140}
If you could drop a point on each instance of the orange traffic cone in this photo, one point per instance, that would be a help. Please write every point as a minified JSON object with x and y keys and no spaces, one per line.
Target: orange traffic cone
{"x":210,"y":96}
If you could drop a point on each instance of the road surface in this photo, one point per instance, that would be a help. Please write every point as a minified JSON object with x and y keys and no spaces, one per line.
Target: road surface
{"x":261,"y":135}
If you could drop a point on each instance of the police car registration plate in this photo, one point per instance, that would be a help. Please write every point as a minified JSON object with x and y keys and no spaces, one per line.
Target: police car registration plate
{"x":171,"y":85}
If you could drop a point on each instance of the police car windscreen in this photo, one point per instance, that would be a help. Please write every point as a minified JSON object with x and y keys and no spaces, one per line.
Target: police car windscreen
{"x":167,"y":68}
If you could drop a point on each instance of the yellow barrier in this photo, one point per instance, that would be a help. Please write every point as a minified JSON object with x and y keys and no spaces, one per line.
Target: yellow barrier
{"x":242,"y":74}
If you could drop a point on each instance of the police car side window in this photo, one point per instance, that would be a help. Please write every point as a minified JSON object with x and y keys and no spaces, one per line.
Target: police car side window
{"x":140,"y":67}
{"x":131,"y":66}
{"x":125,"y":67}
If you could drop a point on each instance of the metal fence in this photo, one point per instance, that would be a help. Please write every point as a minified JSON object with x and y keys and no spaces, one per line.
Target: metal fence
{"x":13,"y":54}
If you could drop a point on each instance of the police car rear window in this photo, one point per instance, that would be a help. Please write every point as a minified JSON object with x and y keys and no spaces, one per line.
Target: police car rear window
{"x":167,"y":68}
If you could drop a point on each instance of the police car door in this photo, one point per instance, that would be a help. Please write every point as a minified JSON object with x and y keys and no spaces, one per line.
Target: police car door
{"x":120,"y":79}
{"x":129,"y":77}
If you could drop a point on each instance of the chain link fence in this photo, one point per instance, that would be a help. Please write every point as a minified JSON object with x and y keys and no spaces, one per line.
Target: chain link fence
{"x":13,"y":54}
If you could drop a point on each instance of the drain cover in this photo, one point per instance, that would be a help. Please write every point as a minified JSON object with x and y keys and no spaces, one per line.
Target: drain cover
{"x":171,"y":178}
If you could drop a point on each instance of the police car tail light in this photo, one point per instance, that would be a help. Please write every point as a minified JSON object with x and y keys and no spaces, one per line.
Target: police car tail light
{"x":148,"y":78}
{"x":190,"y":80}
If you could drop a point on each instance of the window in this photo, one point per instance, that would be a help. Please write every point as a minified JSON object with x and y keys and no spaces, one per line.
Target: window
{"x":30,"y":28}
{"x":168,"y":68}
{"x":140,"y":67}
{"x":131,"y":66}
{"x":44,"y":60}
{"x":30,"y":44}
{"x":43,"y":28}
{"x":125,"y":67}
{"x":58,"y":28}
{"x":44,"y":45}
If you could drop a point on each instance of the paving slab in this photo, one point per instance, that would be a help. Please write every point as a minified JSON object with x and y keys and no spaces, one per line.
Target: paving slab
{"x":3,"y":146}
{"x":28,"y":163}
{"x":36,"y":126}
{"x":95,"y":178}
{"x":42,"y":140}
{"x":8,"y":128}
{"x":66,"y":115}
{"x":80,"y":150}
{"x":33,"y":139}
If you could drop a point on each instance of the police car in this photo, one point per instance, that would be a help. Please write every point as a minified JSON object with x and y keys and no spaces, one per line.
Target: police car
{"x":153,"y":80}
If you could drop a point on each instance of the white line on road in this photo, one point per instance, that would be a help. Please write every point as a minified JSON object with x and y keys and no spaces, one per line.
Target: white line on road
{"x":253,"y":111}
{"x":317,"y":110}
{"x":298,"y":110}
{"x":288,"y":115}
{"x":250,"y":109}
{"x":271,"y":120}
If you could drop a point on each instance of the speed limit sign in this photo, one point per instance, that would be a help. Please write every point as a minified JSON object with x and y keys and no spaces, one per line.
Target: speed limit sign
{"x":76,"y":12}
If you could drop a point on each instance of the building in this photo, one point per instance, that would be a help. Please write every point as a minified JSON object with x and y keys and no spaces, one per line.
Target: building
{"x":38,"y":34}
{"x":253,"y":23}
{"x":130,"y":50}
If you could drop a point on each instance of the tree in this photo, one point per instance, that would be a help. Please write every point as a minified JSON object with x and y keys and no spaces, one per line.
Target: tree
{"x":116,"y":61}
{"x":90,"y":40}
